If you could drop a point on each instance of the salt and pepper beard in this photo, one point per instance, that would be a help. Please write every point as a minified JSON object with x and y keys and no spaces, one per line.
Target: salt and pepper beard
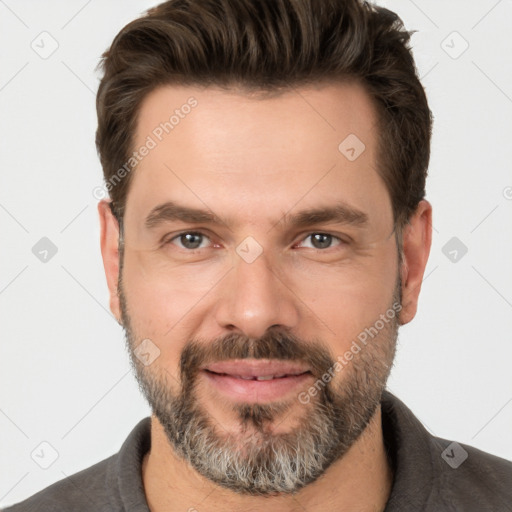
{"x":257,"y":461}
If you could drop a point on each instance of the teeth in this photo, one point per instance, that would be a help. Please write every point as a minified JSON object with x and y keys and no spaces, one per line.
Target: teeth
{"x":263,"y":377}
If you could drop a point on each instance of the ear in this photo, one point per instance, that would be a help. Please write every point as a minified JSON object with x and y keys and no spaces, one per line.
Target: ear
{"x":110,"y":253}
{"x":417,"y":238}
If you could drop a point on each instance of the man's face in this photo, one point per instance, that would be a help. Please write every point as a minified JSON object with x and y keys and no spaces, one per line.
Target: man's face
{"x":248,"y":310}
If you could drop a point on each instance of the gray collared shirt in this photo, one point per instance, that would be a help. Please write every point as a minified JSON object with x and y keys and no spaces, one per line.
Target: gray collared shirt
{"x":430,"y":474}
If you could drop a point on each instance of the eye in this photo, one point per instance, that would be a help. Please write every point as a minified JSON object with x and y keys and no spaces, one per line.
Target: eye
{"x":189,"y":240}
{"x":323,"y":240}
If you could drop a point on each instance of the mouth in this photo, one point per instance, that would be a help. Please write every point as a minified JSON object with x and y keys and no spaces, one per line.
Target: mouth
{"x":256,"y":380}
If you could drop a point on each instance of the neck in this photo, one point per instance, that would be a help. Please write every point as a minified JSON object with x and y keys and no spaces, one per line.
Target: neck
{"x":361,"y":480}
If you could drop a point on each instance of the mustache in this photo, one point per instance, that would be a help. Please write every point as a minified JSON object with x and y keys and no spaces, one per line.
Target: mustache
{"x":272,"y":345}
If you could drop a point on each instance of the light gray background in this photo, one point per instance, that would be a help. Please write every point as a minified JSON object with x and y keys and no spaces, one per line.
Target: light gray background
{"x":65,"y":375}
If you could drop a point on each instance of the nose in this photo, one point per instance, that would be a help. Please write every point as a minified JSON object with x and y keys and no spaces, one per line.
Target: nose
{"x":256,"y":298}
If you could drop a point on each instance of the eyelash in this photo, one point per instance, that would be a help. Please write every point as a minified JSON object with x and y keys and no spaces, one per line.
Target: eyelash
{"x":175,"y":237}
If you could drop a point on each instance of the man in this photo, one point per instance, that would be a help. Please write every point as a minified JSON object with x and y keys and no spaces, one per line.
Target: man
{"x":266,"y":236}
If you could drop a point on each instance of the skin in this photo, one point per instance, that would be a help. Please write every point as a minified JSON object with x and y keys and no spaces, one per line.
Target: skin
{"x":251,"y":160}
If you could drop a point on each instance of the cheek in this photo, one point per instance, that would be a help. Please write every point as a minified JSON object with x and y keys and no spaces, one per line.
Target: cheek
{"x":168,"y":301}
{"x":349,"y":298}
{"x":164,"y":297}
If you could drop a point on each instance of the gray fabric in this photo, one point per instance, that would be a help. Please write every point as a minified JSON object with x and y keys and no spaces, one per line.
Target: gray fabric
{"x":423,"y":481}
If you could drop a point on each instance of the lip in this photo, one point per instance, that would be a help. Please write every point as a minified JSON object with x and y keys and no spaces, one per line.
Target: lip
{"x":256,"y":367}
{"x":238,"y":379}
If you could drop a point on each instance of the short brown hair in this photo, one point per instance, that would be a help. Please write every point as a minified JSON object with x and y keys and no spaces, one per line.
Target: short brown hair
{"x":269,"y":45}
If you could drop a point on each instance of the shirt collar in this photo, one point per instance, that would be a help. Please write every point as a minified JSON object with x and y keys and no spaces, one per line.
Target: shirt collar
{"x":408,"y":446}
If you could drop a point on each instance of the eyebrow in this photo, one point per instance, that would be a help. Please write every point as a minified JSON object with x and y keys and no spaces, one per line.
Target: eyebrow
{"x":340,"y":213}
{"x":171,"y":211}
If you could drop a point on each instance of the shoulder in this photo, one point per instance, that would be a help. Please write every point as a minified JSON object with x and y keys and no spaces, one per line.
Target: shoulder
{"x":468,"y":479}
{"x":433,"y":474}
{"x":80,"y":492}
{"x":111,"y":485}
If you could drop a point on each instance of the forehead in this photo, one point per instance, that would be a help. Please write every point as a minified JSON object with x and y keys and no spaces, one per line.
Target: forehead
{"x":327,"y":112}
{"x":209,"y":145}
